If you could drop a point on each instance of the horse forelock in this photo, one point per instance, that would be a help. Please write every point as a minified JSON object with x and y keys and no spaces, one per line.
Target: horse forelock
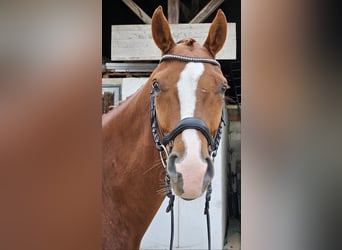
{"x":187,"y":41}
{"x":190,"y":47}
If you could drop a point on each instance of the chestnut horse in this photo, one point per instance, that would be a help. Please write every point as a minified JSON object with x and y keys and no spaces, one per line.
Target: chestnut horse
{"x":187,"y":86}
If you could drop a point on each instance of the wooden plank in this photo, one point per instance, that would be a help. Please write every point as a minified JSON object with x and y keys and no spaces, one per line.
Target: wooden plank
{"x":138,"y":11}
{"x":206,"y":11}
{"x":131,"y":67}
{"x":113,"y":74}
{"x":173,"y":11}
{"x":134,"y":42}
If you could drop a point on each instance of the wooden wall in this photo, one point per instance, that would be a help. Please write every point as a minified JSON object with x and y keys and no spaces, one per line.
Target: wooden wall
{"x":134,"y":42}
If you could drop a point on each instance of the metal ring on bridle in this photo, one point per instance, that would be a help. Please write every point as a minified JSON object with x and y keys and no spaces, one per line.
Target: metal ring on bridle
{"x":164,"y":150}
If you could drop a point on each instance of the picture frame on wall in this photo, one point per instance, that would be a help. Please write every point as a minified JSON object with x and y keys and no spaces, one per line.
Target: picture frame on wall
{"x":111,"y":94}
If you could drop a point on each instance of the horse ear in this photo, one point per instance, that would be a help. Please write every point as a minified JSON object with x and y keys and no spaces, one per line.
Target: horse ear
{"x":217,"y":33}
{"x":161,"y":31}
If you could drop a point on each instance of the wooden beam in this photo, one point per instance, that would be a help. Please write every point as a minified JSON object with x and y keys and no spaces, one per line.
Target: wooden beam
{"x":206,"y":11}
{"x":138,"y":11}
{"x":131,"y":67}
{"x":185,"y":10}
{"x":173,"y":11}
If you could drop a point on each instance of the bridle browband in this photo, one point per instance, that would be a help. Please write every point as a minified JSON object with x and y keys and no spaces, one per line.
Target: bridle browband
{"x":186,"y":123}
{"x":189,"y":59}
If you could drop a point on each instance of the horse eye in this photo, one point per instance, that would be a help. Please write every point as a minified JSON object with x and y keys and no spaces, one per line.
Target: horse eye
{"x":156,"y":87}
{"x":223,"y":88}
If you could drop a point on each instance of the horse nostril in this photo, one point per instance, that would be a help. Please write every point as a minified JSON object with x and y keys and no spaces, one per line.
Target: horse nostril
{"x":171,"y":166}
{"x":209,"y":174}
{"x":210,"y":169}
{"x":179,"y":187}
{"x":176,"y":178}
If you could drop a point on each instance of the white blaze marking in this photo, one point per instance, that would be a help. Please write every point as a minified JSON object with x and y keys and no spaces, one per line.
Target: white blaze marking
{"x":187,"y":86}
{"x":192,"y":167}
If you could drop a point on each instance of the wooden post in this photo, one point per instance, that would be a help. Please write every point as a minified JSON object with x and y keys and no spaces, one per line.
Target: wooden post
{"x":189,"y":13}
{"x":173,"y":11}
{"x":138,"y":11}
{"x":206,"y":11}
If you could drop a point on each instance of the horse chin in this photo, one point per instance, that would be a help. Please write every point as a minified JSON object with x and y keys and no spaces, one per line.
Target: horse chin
{"x":185,"y":196}
{"x":186,"y":199}
{"x":189,"y":197}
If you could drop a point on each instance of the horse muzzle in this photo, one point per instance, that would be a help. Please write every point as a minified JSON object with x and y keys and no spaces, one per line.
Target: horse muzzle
{"x":190,"y":172}
{"x":189,"y":176}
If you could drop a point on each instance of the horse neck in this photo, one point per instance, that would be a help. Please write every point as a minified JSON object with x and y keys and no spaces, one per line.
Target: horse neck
{"x":132,"y":172}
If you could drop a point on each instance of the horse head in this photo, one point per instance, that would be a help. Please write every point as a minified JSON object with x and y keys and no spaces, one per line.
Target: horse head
{"x":188,"y":90}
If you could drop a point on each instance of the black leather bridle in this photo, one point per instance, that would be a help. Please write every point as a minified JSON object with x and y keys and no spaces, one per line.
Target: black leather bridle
{"x":186,"y":123}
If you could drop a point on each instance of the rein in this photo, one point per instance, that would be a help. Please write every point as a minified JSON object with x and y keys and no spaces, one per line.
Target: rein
{"x":167,"y":139}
